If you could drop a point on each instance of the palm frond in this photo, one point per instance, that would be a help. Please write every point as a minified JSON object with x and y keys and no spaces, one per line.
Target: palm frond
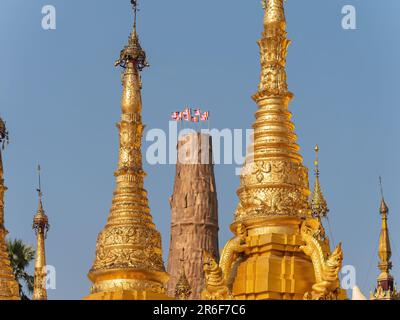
{"x":21,"y":255}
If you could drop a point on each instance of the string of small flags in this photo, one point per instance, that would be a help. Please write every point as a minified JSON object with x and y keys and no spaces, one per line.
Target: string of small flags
{"x":195,"y":115}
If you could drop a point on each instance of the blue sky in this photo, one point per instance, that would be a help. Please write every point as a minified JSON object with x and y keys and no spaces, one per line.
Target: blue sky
{"x":60,"y":93}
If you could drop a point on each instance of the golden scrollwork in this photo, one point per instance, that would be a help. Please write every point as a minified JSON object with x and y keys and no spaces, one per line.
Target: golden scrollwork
{"x":271,"y":202}
{"x":127,"y":285}
{"x":129,"y":246}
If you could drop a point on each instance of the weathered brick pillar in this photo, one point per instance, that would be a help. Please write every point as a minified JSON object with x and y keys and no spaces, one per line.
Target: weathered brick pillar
{"x":194,"y":207}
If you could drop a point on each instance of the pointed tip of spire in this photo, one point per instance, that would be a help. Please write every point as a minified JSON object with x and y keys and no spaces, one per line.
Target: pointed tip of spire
{"x":135,"y":10}
{"x":319,"y":206}
{"x":383,"y":208}
{"x":39,"y":189}
{"x":316,"y":161}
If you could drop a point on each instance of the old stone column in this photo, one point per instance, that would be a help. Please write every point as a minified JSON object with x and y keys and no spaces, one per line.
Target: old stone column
{"x":194,"y":207}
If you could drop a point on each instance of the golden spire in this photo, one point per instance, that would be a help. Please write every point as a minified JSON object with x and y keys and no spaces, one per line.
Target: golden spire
{"x":41,"y":227}
{"x":274,"y":181}
{"x":9,"y":288}
{"x":129,"y":262}
{"x":183,"y":289}
{"x":319,"y":207}
{"x":385,"y":288}
{"x":274,"y":213}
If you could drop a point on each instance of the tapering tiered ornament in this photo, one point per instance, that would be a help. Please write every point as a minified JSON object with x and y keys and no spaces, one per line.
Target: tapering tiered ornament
{"x":319,"y":207}
{"x":385,"y":289}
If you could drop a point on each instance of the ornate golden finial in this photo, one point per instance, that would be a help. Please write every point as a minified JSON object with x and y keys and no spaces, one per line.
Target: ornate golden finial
{"x":9,"y":288}
{"x":319,"y":207}
{"x":385,"y":284}
{"x":183,"y":289}
{"x":128,"y":263}
{"x":133,"y":50}
{"x":41,"y":227}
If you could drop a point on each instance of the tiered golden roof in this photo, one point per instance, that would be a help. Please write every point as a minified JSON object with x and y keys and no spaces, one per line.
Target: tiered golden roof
{"x":129,"y":262}
{"x":41,"y":227}
{"x":9,"y":289}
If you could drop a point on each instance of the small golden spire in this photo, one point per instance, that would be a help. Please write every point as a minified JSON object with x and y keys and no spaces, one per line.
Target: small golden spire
{"x":183,"y":289}
{"x":319,"y":206}
{"x":41,"y":227}
{"x":385,"y":284}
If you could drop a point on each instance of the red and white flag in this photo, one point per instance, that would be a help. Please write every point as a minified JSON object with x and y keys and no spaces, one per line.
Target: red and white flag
{"x":197,"y":112}
{"x":204,"y":116}
{"x":186,"y":114}
{"x":176,"y":116}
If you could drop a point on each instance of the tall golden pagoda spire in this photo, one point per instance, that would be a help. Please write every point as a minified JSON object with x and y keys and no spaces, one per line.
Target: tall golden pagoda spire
{"x":319,"y":207}
{"x":279,"y":250}
{"x":9,"y":289}
{"x":129,"y":262}
{"x":386,"y":289}
{"x":274,"y":181}
{"x":41,"y":227}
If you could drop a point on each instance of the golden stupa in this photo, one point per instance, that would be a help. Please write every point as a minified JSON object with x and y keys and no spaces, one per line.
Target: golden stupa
{"x":128,"y":263}
{"x":9,"y":288}
{"x":280,"y":250}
